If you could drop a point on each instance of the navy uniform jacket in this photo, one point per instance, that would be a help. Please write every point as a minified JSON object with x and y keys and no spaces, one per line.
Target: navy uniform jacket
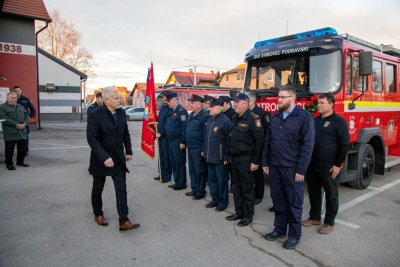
{"x":27,"y":104}
{"x":230,"y":113}
{"x":162,"y":119}
{"x":107,"y":138}
{"x":290,"y":141}
{"x":247,"y":136}
{"x":262,"y":114}
{"x":92,"y":108}
{"x":216,"y":136}
{"x":176,"y":124}
{"x":194,"y":134}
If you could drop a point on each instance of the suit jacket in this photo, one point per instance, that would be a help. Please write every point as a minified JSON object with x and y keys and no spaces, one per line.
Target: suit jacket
{"x":107,"y":137}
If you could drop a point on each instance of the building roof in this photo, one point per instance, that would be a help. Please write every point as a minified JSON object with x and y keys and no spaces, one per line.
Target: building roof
{"x":62,"y":63}
{"x":239,"y":68}
{"x":187,"y":78}
{"x":142,"y":87}
{"x":34,"y":9}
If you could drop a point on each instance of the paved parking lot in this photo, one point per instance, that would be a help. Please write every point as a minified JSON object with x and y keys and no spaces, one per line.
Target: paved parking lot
{"x":46,"y":218}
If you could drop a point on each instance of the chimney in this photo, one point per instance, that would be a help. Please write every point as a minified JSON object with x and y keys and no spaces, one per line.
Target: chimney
{"x":191,"y":70}
{"x":212,"y":72}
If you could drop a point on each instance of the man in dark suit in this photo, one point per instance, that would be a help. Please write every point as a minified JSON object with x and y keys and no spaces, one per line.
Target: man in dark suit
{"x":108,"y":135}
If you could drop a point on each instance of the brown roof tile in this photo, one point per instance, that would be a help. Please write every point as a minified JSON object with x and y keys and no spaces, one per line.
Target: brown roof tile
{"x":187,"y":78}
{"x":27,"y":8}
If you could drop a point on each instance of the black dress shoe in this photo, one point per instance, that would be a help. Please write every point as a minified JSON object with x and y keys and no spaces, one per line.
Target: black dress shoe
{"x":245,"y":222}
{"x":23,"y":164}
{"x":272,"y":209}
{"x":197,"y":197}
{"x":11,"y":167}
{"x":234,"y":217}
{"x":257,"y":201}
{"x":218,"y":209}
{"x":171,"y":186}
{"x":273,"y":236}
{"x":165,"y":181}
{"x":157,"y":178}
{"x":210,"y":205}
{"x":189,"y":194}
{"x":178,"y":187}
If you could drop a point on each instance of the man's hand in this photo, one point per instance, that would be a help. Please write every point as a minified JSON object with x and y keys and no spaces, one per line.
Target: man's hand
{"x":226,"y":162}
{"x":158,"y":135}
{"x":20,"y":126}
{"x":266,"y":170}
{"x":109,"y":163}
{"x":299,"y":178}
{"x":253,"y":167}
{"x":128,"y":157}
{"x":335,"y":171}
{"x":182,"y":146}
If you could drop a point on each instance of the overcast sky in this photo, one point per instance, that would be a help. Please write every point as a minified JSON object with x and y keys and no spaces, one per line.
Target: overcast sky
{"x":124,"y":36}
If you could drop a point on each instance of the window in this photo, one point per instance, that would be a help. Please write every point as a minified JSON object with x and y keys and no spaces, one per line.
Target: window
{"x":390,"y":79}
{"x":237,"y":76}
{"x":270,"y":76}
{"x":226,"y":78}
{"x":187,"y":101}
{"x":377,"y":76}
{"x":353,"y":78}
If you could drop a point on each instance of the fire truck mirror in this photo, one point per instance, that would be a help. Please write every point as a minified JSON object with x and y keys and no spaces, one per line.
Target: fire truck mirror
{"x":365,"y":63}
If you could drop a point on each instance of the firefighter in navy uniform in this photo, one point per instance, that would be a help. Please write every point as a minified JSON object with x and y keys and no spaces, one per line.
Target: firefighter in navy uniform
{"x":245,"y":145}
{"x":228,"y":110}
{"x":165,"y":162}
{"x":175,"y":131}
{"x":95,"y":105}
{"x":262,"y":114}
{"x":194,"y":136}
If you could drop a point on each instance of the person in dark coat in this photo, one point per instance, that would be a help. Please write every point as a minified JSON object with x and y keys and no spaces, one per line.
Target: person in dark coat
{"x":194,"y":141}
{"x":165,"y":162}
{"x":30,"y":109}
{"x":95,"y":105}
{"x":108,"y":137}
{"x":216,"y":153}
{"x":228,"y":110}
{"x":287,"y":153}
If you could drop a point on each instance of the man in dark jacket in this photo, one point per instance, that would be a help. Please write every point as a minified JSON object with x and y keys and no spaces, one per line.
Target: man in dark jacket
{"x":14,"y":130}
{"x":245,"y":146}
{"x":108,"y":136}
{"x":95,"y":105}
{"x":194,"y":141}
{"x":228,"y":110}
{"x":216,"y":134}
{"x":287,"y":153}
{"x":165,"y":162}
{"x":30,"y":109}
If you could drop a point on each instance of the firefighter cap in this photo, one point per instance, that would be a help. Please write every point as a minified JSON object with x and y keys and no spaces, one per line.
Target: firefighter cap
{"x":225,"y":98}
{"x":196,"y":98}
{"x":171,"y":95}
{"x":216,"y":102}
{"x":242,"y":96}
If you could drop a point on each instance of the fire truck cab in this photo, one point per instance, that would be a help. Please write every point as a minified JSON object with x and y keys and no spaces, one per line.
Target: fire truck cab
{"x":363,"y":77}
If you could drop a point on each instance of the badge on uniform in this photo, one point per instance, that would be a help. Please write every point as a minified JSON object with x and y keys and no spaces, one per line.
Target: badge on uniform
{"x":258,"y":123}
{"x":183,"y":117}
{"x":215,"y":129}
{"x":174,"y":114}
{"x":327,"y":123}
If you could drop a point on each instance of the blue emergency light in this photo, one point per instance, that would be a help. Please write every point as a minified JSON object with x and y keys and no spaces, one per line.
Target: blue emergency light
{"x":320,"y":32}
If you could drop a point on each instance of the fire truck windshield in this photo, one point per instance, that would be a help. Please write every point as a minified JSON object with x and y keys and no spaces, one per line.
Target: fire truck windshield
{"x":317,"y":71}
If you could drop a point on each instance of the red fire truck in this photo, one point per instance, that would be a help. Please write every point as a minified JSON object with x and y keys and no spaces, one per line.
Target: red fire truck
{"x":185,"y":92}
{"x":363,"y":77}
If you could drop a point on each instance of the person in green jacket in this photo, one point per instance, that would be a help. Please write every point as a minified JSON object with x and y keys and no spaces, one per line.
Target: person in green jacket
{"x":14,"y":130}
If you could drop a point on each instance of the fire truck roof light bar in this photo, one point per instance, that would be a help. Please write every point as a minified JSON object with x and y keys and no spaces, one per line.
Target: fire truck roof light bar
{"x":314,"y":33}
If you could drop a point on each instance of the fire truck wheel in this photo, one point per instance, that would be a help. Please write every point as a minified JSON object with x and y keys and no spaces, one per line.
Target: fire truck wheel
{"x":366,"y":169}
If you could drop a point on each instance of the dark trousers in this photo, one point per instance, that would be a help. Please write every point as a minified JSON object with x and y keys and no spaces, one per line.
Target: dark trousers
{"x":178,"y":162}
{"x":287,"y":196}
{"x":218,"y":184}
{"x":9,"y":151}
{"x":166,"y":168}
{"x":197,"y":168}
{"x":27,"y":137}
{"x":259,"y":183}
{"x":120,"y":194}
{"x":243,"y":185}
{"x":317,"y":179}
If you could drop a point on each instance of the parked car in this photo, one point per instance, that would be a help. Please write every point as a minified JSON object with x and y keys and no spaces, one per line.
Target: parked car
{"x":134,"y":114}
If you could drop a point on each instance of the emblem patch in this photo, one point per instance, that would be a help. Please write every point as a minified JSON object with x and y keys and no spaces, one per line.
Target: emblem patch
{"x":215,"y":129}
{"x":390,"y":127}
{"x":183,"y":117}
{"x":258,"y":123}
{"x":327,"y":123}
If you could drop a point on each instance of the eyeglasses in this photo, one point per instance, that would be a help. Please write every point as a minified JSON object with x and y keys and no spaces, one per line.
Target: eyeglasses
{"x":283,"y":96}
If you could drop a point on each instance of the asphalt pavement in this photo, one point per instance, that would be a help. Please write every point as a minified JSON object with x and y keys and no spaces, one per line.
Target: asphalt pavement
{"x":46,"y":217}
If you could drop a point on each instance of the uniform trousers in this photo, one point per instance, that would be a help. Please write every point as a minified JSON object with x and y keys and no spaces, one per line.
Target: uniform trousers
{"x":287,"y":197}
{"x":9,"y":151}
{"x":259,"y":184}
{"x":218,"y":184}
{"x":317,"y":179}
{"x":178,"y":162}
{"x":166,"y":169}
{"x":120,"y":193}
{"x":243,"y":185}
{"x":197,"y":171}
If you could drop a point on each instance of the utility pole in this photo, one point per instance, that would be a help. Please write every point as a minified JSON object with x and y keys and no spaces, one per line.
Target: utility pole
{"x":194,"y":70}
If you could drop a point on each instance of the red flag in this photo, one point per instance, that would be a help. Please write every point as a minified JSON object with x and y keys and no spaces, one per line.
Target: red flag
{"x":150,"y":116}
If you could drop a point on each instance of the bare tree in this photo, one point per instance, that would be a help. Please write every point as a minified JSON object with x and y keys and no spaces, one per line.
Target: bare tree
{"x":64,"y":42}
